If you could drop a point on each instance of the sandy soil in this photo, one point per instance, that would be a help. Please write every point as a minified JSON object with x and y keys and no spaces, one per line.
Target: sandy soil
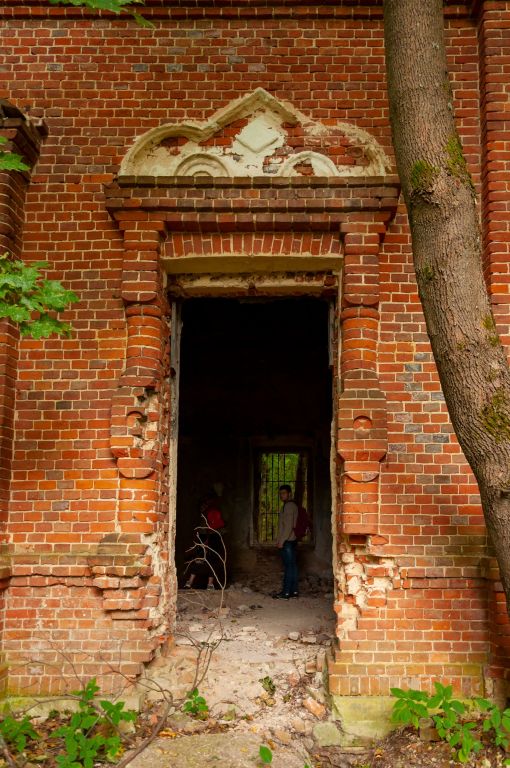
{"x":262,"y":662}
{"x":265,"y":673}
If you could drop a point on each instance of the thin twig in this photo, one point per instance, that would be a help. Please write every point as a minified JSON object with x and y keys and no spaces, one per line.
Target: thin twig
{"x":145,"y":743}
{"x":5,"y":752}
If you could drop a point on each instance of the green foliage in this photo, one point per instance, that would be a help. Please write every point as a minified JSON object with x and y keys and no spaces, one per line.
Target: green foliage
{"x":451,"y":718}
{"x":16,"y":732}
{"x":10,"y":161}
{"x":267,"y":684}
{"x":410,"y":706}
{"x":24,"y":291}
{"x":115,"y":6}
{"x":496,"y":721}
{"x":277,"y":468}
{"x":195,"y":705}
{"x":91,"y":735}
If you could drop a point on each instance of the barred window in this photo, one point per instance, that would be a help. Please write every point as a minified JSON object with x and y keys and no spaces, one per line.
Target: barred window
{"x":276,"y":468}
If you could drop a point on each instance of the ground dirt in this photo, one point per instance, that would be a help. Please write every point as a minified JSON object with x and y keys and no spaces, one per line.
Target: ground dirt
{"x":260,"y":665}
{"x":261,"y":643}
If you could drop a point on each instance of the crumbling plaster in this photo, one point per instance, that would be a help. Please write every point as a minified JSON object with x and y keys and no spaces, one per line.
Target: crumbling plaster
{"x":262,"y":145}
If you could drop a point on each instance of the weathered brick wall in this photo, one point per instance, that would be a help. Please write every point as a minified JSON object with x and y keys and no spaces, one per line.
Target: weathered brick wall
{"x":413,"y":589}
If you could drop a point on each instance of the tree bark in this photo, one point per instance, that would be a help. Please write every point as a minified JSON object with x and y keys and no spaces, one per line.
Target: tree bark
{"x":447,"y":252}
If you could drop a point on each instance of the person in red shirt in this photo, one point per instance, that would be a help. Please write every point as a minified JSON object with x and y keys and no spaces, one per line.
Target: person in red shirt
{"x":210,"y":541}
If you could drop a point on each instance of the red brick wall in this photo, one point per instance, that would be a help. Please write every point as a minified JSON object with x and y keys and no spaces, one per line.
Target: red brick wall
{"x":419,"y":539}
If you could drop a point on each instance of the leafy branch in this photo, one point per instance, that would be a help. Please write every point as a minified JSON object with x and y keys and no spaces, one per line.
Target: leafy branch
{"x":24,"y":291}
{"x":114,"y":6}
{"x":10,"y":161}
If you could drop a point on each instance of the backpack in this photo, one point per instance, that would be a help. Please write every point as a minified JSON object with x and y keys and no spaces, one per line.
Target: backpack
{"x":303,"y":524}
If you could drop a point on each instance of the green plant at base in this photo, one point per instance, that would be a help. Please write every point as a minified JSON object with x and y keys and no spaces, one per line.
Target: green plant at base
{"x":410,"y":706}
{"x":195,"y":705}
{"x":497,"y":721}
{"x":267,"y":684}
{"x":446,"y":713}
{"x":17,"y":732}
{"x":92,"y":735}
{"x":24,"y":291}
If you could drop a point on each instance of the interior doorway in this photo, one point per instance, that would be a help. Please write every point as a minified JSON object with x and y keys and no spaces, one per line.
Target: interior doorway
{"x":255,"y":409}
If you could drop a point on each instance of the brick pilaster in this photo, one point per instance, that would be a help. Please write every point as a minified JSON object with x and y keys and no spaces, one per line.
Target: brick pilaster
{"x":362,"y":430}
{"x":23,"y":138}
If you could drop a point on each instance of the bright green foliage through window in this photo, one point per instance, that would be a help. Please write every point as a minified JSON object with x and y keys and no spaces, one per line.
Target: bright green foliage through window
{"x":278,"y":468}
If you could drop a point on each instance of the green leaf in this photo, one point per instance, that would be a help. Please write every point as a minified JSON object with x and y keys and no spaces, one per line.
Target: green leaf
{"x":495,"y":717}
{"x":116,"y":6}
{"x":89,"y":721}
{"x":435,"y":701}
{"x":454,"y":739}
{"x":420,"y":710}
{"x":44,"y":327}
{"x":417,"y":695}
{"x":113,"y":747}
{"x":265,"y":754}
{"x":142,"y":21}
{"x":16,"y":313}
{"x":10,"y":161}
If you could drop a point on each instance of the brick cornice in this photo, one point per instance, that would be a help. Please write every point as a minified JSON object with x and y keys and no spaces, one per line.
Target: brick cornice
{"x":226,"y":9}
{"x":220,"y":204}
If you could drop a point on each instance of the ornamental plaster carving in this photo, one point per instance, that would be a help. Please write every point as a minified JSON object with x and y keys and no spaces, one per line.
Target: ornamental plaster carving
{"x":256,"y":135}
{"x":202,"y":164}
{"x":321,"y":165}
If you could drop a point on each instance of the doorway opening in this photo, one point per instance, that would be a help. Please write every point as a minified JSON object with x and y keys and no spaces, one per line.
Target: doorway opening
{"x":255,"y":412}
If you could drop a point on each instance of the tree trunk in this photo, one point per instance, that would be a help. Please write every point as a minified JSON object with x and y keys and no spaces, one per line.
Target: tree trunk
{"x":446,"y":241}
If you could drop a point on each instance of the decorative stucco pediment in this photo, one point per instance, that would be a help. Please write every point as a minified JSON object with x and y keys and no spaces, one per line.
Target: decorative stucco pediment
{"x":256,"y":135}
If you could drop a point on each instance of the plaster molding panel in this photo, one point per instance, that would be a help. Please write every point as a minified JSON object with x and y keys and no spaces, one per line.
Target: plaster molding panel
{"x":256,"y":135}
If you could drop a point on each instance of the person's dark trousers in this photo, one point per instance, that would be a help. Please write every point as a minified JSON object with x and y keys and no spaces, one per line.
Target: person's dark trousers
{"x":290,"y":569}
